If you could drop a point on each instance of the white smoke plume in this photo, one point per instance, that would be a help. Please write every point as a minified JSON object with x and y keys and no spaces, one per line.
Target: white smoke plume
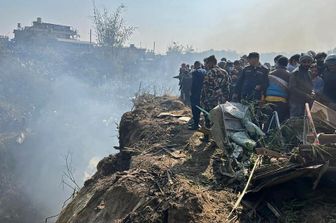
{"x":278,"y":26}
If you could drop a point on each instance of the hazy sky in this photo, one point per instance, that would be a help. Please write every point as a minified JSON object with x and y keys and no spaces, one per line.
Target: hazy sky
{"x":242,"y":25}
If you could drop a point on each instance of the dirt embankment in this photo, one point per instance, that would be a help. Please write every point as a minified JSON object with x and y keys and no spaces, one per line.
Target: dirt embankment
{"x":165,"y":173}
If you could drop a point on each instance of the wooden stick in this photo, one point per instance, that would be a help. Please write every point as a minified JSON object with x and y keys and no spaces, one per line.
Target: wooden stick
{"x":311,"y":122}
{"x":246,"y":187}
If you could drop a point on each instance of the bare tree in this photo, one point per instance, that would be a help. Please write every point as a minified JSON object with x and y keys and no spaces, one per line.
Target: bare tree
{"x":110,"y":28}
{"x":68,"y":177}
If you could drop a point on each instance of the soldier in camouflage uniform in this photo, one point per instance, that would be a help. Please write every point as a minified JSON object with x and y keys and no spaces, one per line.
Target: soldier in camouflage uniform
{"x":216,"y":87}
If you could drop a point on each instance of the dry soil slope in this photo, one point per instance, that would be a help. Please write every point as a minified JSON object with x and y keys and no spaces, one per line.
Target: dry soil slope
{"x":163,"y":173}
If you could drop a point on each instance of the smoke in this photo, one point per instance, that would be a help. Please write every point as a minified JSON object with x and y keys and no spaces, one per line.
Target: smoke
{"x":91,"y":167}
{"x":75,"y":119}
{"x":79,"y":120}
{"x":279,"y":26}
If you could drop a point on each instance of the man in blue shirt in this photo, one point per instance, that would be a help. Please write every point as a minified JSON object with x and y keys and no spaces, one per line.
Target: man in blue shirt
{"x":196,"y":88}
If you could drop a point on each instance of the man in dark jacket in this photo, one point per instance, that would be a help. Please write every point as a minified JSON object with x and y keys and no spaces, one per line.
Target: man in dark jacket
{"x":186,"y":88}
{"x":329,"y":77}
{"x":196,"y":88}
{"x":253,"y":81}
{"x":320,"y":58}
{"x":185,"y":83}
{"x":300,"y":87}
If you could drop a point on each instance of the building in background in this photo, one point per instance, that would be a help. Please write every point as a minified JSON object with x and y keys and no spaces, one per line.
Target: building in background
{"x":41,"y":31}
{"x":63,"y":37}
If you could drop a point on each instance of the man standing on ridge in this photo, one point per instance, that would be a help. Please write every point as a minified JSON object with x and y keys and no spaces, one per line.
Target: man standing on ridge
{"x":195,"y":98}
{"x":185,"y":83}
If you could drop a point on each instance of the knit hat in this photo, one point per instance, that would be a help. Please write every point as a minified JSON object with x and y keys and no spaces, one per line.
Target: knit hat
{"x":305,"y":56}
{"x":253,"y":55}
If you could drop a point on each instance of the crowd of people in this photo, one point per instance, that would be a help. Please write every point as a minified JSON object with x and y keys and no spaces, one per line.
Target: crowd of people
{"x":286,"y":86}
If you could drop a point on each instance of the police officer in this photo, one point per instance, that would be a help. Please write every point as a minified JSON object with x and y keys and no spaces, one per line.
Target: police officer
{"x":253,"y":81}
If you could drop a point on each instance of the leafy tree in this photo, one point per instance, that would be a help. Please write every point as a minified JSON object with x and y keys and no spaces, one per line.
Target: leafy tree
{"x":178,"y":49}
{"x":110,"y":28}
{"x":189,"y":49}
{"x":175,"y":48}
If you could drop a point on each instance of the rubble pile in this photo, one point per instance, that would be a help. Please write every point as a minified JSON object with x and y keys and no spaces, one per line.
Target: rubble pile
{"x":310,"y":155}
{"x":242,"y":140}
{"x":165,"y":173}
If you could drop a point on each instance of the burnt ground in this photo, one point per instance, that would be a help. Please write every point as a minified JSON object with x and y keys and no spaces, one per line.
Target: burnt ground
{"x":165,"y":173}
